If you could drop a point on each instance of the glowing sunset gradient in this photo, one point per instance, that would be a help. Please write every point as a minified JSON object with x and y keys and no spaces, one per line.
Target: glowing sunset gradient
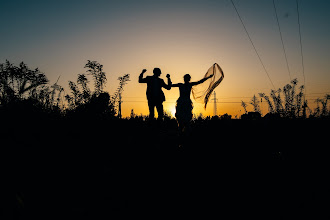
{"x":179,"y":37}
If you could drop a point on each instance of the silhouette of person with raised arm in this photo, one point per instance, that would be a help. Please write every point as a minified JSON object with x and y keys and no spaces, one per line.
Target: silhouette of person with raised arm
{"x":184,"y":104}
{"x":155,"y":95}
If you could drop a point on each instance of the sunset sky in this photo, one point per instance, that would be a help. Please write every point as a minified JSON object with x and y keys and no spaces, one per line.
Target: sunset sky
{"x":177,"y":36}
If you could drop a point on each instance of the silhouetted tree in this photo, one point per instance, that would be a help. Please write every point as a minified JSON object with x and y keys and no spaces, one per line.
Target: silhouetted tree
{"x":83,"y":94}
{"x":18,"y":82}
{"x":96,"y":70}
{"x":100,"y":106}
{"x":85,"y":101}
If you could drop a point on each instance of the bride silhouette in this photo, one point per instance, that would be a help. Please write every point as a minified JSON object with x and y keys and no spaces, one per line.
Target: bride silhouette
{"x":184,"y":104}
{"x":200,"y":91}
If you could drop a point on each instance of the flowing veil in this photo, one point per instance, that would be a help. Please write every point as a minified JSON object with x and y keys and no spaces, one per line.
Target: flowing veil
{"x":204,"y":90}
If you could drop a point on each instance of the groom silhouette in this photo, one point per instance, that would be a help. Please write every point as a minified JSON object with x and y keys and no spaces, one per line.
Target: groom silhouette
{"x":155,"y":95}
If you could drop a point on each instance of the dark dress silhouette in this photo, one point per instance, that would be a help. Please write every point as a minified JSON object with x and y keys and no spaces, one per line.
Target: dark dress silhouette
{"x":184,"y":104}
{"x":155,"y":95}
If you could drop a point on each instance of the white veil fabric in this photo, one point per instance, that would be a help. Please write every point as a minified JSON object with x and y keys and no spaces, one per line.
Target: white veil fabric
{"x":204,"y":90}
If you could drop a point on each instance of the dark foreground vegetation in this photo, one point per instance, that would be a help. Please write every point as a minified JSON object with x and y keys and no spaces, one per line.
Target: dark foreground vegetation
{"x":272,"y":169}
{"x":74,"y":157}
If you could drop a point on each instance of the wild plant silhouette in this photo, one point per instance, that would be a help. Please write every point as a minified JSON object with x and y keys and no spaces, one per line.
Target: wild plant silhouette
{"x":289,"y":102}
{"x":323,"y":111}
{"x":95,"y":102}
{"x":19,"y":82}
{"x":293,"y":105}
{"x":82,"y":94}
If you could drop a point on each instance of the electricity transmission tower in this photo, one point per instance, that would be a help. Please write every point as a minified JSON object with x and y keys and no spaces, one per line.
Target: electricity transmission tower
{"x":215,"y":104}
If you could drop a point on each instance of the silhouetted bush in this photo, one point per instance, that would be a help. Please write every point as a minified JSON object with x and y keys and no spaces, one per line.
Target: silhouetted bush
{"x":19,"y":82}
{"x":293,"y":105}
{"x":85,"y":102}
{"x":24,"y":94}
{"x":289,"y":103}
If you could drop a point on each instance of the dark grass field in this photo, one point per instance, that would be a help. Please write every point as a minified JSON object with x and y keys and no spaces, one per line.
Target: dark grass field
{"x":229,"y":169}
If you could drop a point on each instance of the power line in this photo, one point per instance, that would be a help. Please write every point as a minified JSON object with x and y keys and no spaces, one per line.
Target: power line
{"x":301,"y":48}
{"x":221,"y":97}
{"x":279,"y":29}
{"x":247,"y":33}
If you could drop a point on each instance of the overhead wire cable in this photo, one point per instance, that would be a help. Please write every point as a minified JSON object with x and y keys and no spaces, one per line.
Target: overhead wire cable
{"x":279,"y":29}
{"x":255,"y":49}
{"x":301,"y":47}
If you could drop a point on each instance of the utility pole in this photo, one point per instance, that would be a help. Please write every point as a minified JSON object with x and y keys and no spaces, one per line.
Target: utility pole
{"x":119,"y":106}
{"x":215,"y":104}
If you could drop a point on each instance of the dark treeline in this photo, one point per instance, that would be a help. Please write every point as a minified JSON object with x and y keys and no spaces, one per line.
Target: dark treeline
{"x":87,"y":163}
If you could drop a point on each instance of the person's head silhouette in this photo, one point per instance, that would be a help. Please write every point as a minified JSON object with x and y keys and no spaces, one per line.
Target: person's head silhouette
{"x":186,"y":78}
{"x":157,"y":72}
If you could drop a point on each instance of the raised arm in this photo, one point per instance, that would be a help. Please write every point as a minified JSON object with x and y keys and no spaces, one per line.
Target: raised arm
{"x":169,"y":82}
{"x":141,"y":79}
{"x":201,"y":81}
{"x":176,"y":85}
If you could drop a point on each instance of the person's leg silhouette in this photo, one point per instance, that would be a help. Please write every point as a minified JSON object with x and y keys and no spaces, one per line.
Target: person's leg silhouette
{"x":160,"y":110}
{"x":151,"y":106}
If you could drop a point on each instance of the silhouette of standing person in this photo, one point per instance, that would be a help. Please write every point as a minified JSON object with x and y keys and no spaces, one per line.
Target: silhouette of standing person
{"x":155,"y":95}
{"x":184,"y":104}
